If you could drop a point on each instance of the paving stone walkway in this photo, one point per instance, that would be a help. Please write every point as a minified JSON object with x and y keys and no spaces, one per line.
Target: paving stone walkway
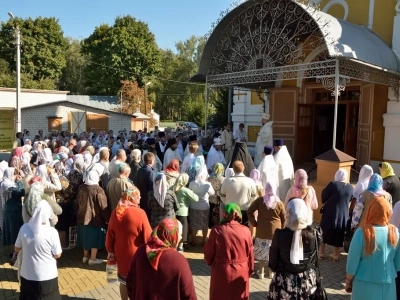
{"x":81,"y":281}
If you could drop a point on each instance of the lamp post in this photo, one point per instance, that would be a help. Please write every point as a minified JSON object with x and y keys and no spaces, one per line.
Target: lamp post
{"x":145,"y":97}
{"x":18,"y":71}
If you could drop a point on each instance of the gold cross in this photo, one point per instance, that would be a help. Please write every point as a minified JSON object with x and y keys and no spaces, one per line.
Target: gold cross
{"x":240,"y":94}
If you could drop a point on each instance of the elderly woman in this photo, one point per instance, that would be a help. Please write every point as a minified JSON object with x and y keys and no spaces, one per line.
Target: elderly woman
{"x":292,"y":255}
{"x":128,"y":229}
{"x":162,"y":201}
{"x":16,"y":160}
{"x":92,"y":217}
{"x":41,"y":246}
{"x":374,"y":255}
{"x":135,"y":165}
{"x":216,"y":180}
{"x":199,"y":211}
{"x":229,"y":252}
{"x":391,"y":182}
{"x":11,"y":193}
{"x":158,"y":262}
{"x":357,"y":206}
{"x":256,"y":176}
{"x":336,"y":197}
{"x":302,"y":190}
{"x":271,"y":216}
{"x":184,"y":196}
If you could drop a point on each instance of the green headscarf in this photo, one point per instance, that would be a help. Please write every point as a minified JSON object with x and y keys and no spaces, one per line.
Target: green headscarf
{"x":232,"y":212}
{"x":218,"y":169}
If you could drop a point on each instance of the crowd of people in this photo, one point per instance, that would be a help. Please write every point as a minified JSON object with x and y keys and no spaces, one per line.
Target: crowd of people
{"x":141,"y":194}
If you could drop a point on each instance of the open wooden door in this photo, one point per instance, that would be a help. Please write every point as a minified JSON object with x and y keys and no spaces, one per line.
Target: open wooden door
{"x":283,"y":110}
{"x":350,"y":144}
{"x":304,"y":134}
{"x":365,"y":125}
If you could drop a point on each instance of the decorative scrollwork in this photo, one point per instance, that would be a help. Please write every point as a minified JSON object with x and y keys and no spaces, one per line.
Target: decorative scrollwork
{"x":329,"y":83}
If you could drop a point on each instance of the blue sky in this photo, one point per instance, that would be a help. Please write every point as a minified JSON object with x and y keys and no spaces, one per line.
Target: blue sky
{"x":170,"y":21}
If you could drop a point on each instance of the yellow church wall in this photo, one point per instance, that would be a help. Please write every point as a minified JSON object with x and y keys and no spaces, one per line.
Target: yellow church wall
{"x":383,"y":19}
{"x":337,"y":10}
{"x":289,"y":83}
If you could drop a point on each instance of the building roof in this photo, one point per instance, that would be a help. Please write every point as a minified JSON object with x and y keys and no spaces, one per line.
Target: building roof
{"x":335,"y":155}
{"x":139,"y":115}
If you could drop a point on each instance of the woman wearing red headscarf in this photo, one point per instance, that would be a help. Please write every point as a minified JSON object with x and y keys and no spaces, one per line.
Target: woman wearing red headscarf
{"x":374,"y":255}
{"x":172,"y":172}
{"x":127,"y":230}
{"x":157,"y":270}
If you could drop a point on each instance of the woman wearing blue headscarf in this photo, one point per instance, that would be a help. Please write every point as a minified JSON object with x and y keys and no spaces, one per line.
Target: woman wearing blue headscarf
{"x":197,"y":165}
{"x":374,"y":190}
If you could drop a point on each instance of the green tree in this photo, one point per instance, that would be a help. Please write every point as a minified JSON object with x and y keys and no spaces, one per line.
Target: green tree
{"x":125,"y":51}
{"x":220,"y":102}
{"x":42,"y":47}
{"x":72,"y":78}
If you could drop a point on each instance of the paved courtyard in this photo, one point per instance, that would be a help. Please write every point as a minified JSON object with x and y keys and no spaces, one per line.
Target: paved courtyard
{"x":79,"y":281}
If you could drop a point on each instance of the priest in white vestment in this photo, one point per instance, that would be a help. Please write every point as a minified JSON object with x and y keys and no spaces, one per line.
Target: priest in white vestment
{"x":193,"y":139}
{"x":265,"y":138}
{"x":215,"y":155}
{"x":171,"y":152}
{"x":285,"y":168}
{"x":267,"y":168}
{"x":227,"y":141}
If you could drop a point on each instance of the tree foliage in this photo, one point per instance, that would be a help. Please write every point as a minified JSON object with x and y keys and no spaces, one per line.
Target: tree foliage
{"x":132,"y":98}
{"x":125,"y":51}
{"x":42,"y":47}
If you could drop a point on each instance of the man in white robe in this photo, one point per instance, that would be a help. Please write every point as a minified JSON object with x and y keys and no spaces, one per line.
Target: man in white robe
{"x":227,"y":142}
{"x":265,"y":138}
{"x":285,"y":168}
{"x":151,"y":147}
{"x":215,"y":155}
{"x":171,"y":153}
{"x":267,"y":168}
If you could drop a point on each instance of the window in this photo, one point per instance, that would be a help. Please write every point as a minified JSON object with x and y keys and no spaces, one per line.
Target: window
{"x":54,"y":123}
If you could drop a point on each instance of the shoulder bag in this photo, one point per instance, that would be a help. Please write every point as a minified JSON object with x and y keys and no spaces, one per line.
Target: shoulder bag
{"x":320,"y":293}
{"x":321,"y":211}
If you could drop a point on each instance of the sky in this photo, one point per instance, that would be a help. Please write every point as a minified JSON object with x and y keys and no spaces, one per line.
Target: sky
{"x":170,"y":21}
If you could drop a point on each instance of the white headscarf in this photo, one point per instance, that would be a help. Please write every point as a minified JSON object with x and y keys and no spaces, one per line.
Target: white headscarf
{"x":3,"y":167}
{"x":7,"y":185}
{"x":160,"y":185}
{"x":68,"y":165}
{"x":42,"y":172}
{"x":97,"y":167}
{"x":229,"y":173}
{"x":40,"y":217}
{"x":202,"y":175}
{"x":296,"y":220}
{"x":341,"y":175}
{"x":363,"y":179}
{"x":45,"y":156}
{"x":93,"y":178}
{"x":87,"y":158}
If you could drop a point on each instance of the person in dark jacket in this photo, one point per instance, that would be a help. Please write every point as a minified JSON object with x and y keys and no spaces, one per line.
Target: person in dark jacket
{"x":144,"y":180}
{"x":336,"y":199}
{"x":292,"y":255}
{"x":135,"y":165}
{"x":391,"y":182}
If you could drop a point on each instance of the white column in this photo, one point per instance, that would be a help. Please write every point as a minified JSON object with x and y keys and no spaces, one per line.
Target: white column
{"x":336,"y":91}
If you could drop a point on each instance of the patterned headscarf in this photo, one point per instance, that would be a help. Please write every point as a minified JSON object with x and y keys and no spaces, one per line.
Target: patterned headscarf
{"x":130,"y":198}
{"x":378,"y":213}
{"x":270,"y":197}
{"x":197,"y":165}
{"x":160,"y":185}
{"x":387,"y":170}
{"x":173,"y":166}
{"x":18,"y":151}
{"x":34,"y":197}
{"x":78,"y":165}
{"x":181,"y":181}
{"x":375,"y":185}
{"x":232,"y":212}
{"x":218,"y":170}
{"x":164,"y":237}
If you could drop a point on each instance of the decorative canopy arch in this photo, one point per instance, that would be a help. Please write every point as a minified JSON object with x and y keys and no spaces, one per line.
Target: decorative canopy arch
{"x":258,"y":41}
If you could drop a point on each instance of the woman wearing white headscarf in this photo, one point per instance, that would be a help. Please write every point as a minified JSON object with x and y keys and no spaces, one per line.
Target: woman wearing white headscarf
{"x":11,"y":193}
{"x":199,"y":211}
{"x":271,"y":216}
{"x":292,"y":255}
{"x":51,"y":183}
{"x":336,"y":198}
{"x":41,"y":246}
{"x":44,"y":157}
{"x":163,"y":202}
{"x":92,"y":216}
{"x":26,"y":160}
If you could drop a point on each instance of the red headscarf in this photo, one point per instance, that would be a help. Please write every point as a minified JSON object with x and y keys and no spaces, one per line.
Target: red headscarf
{"x":173,"y":166}
{"x":164,"y":237}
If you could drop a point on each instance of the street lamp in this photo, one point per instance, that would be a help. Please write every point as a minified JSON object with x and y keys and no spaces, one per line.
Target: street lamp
{"x":145,"y":97}
{"x":18,"y":71}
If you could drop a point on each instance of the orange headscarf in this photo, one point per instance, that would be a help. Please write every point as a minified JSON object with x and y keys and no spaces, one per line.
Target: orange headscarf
{"x":173,"y":166}
{"x":130,"y":198}
{"x":378,"y":213}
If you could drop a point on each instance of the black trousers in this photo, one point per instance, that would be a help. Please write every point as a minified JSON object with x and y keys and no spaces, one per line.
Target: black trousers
{"x":35,"y":290}
{"x":185,"y":225}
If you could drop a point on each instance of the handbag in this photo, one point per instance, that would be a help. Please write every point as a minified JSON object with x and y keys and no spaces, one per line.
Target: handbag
{"x":320,"y":293}
{"x":321,"y":211}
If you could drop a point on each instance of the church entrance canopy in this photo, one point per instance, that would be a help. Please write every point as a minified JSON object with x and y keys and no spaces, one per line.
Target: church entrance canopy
{"x":256,"y":43}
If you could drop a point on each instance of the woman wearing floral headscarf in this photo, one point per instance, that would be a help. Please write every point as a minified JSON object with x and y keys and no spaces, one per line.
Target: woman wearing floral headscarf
{"x":11,"y":193}
{"x":336,"y":197}
{"x":229,"y":252}
{"x":172,"y":172}
{"x":127,"y":230}
{"x":391,"y":182}
{"x":271,"y":216}
{"x":292,"y":255}
{"x":162,"y":201}
{"x":159,"y":263}
{"x":184,"y":196}
{"x":16,"y":159}
{"x":216,"y":180}
{"x":374,"y":255}
{"x":302,"y":190}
